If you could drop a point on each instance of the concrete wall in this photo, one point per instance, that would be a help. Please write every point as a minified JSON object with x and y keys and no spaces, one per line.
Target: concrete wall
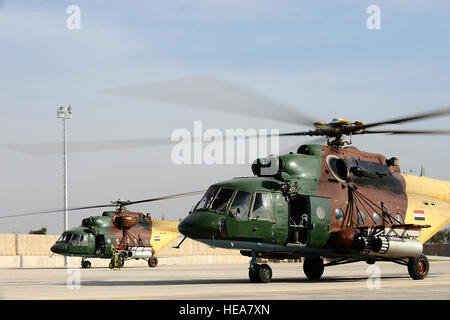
{"x":26,"y":244}
{"x":33,"y":251}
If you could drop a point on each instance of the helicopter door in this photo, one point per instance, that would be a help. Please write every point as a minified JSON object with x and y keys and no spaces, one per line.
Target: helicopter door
{"x":299,"y":220}
{"x":100,"y":244}
{"x":320,"y":222}
{"x":237,"y":224}
{"x":261,"y":216}
{"x":250,"y":217}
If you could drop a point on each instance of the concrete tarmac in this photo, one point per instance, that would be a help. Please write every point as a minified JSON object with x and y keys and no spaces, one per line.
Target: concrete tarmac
{"x":205,"y":282}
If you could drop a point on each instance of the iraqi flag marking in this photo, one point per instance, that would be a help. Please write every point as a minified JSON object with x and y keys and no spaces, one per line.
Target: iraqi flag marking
{"x":156,"y":238}
{"x":419,"y":215}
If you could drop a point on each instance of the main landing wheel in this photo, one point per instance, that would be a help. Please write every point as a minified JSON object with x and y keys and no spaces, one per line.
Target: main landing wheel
{"x":418,"y":267}
{"x":152,"y":262}
{"x":313,"y":268}
{"x":85,"y":264}
{"x":260,"y":273}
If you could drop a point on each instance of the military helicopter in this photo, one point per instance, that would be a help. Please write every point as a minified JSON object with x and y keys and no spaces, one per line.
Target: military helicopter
{"x":118,"y":235}
{"x":329,"y":201}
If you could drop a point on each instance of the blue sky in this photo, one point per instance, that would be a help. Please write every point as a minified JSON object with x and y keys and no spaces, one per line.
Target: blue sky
{"x":317,"y":56}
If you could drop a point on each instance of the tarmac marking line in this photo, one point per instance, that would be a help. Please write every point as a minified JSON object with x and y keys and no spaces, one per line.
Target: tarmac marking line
{"x":259,"y":291}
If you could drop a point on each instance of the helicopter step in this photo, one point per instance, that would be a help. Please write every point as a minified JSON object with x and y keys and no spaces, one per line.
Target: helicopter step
{"x":295,"y":244}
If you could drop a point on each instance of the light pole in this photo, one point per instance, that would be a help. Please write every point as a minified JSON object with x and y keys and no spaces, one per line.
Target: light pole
{"x":63,"y":115}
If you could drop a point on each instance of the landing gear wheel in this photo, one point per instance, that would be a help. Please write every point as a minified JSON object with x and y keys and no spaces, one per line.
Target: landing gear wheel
{"x":264,"y":273}
{"x":152,"y":262}
{"x":418,"y":267}
{"x":121,"y":260}
{"x":85,"y":264}
{"x":313,"y":268}
{"x":260,"y":273}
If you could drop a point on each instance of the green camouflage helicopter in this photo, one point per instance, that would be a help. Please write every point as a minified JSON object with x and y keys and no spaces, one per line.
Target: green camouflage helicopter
{"x":325,"y":201}
{"x":118,"y":235}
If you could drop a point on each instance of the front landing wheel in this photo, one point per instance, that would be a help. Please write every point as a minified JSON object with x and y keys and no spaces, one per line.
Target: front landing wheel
{"x":418,"y":267}
{"x":313,"y":268}
{"x":260,"y":273}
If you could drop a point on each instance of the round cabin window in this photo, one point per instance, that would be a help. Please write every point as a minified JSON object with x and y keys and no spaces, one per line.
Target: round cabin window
{"x":320,"y":212}
{"x":339,"y":214}
{"x":376,"y":217}
{"x":361,"y":217}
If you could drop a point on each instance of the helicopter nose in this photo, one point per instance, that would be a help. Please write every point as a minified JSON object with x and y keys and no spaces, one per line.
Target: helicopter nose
{"x":187,"y":227}
{"x":58,"y":248}
{"x":198,"y":225}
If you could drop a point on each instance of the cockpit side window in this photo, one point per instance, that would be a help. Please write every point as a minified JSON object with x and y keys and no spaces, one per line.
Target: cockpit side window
{"x":65,"y":237}
{"x":222,"y":199}
{"x":84,"y":240}
{"x":240,"y":205}
{"x":74,"y":240}
{"x":61,"y":238}
{"x":262,"y":206}
{"x":205,"y":202}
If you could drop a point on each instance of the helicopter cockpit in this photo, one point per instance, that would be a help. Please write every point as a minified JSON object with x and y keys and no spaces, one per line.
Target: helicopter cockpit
{"x":73,"y":239}
{"x":72,"y":242}
{"x":236,"y":203}
{"x":236,"y":209}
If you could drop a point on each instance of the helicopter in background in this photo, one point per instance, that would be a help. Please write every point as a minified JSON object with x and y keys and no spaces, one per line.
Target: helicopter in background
{"x":118,"y":235}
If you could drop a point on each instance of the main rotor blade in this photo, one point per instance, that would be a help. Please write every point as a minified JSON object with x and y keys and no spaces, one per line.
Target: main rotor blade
{"x":436,"y":113}
{"x":87,"y":146}
{"x":180,"y":195}
{"x":56,"y":210}
{"x":39,"y":149}
{"x":212,"y":93}
{"x":186,"y":194}
{"x":293,"y":134}
{"x":443,"y":132}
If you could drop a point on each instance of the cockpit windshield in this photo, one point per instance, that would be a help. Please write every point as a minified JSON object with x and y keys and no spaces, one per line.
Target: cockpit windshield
{"x":222,"y":199}
{"x":65,"y":237}
{"x":207,"y":198}
{"x":74,"y":240}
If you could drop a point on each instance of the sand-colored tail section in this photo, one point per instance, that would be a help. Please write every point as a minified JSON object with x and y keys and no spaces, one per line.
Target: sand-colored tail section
{"x":428,"y":204}
{"x":163,"y":233}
